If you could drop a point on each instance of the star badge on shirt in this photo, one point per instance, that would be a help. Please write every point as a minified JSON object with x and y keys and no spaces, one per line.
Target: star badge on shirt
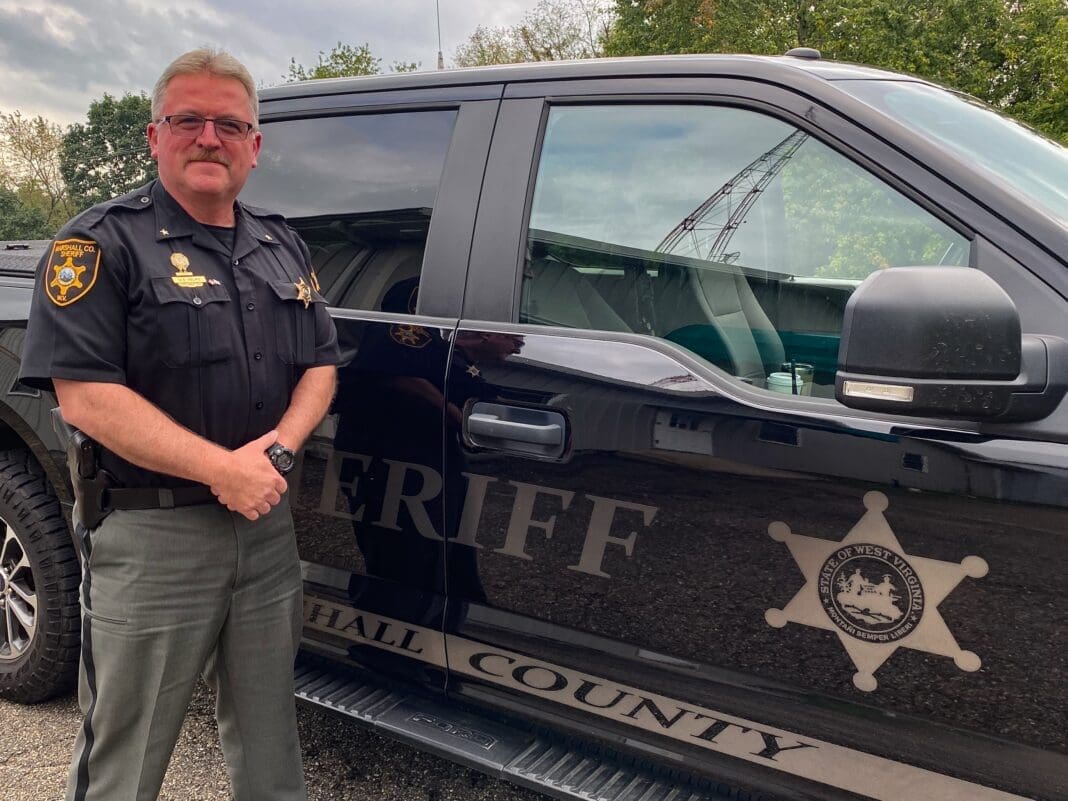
{"x":303,"y":292}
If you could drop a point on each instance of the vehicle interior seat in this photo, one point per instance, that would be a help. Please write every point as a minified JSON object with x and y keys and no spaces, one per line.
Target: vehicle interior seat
{"x":628,"y":289}
{"x":713,"y":311}
{"x":357,"y":276}
{"x":333,"y":262}
{"x":554,"y":293}
{"x":384,"y":267}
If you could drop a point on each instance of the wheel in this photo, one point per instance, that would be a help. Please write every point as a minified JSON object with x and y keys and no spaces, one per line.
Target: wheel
{"x":39,"y":577}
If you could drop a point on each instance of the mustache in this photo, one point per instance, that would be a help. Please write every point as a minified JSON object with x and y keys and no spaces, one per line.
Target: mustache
{"x":210,"y":157}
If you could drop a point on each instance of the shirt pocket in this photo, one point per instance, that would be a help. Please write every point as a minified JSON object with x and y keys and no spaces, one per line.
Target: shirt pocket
{"x":192,"y":323}
{"x":295,"y":328}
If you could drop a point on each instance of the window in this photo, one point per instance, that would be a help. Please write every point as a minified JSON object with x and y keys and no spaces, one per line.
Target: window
{"x":1019,"y":158}
{"x":360,"y":190}
{"x":726,"y":231}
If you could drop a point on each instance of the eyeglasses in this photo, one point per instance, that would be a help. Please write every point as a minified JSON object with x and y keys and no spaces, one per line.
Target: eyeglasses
{"x":190,"y":126}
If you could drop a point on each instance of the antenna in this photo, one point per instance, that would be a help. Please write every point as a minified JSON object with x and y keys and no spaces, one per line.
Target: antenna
{"x":441,"y":61}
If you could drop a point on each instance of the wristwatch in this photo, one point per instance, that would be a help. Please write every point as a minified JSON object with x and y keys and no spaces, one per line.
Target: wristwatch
{"x":281,"y":457}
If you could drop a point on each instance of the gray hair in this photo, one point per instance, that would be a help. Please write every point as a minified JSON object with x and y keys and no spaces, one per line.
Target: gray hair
{"x":206,"y":60}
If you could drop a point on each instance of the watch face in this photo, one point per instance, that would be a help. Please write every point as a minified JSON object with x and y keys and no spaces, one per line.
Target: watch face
{"x":282,"y":458}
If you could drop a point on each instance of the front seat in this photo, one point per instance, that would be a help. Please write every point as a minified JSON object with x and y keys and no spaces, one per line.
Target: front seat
{"x":554,"y":293}
{"x":716,"y":307}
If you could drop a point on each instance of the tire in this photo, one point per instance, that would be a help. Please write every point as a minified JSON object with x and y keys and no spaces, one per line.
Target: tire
{"x":40,"y":624}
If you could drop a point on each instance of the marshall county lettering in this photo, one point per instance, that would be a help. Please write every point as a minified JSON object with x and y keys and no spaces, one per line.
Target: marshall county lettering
{"x":827,"y":763}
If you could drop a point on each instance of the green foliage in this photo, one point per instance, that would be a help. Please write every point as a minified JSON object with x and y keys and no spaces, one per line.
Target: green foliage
{"x":341,"y":62}
{"x":953,"y":42}
{"x":29,"y":161}
{"x":651,"y":27}
{"x":844,"y":223}
{"x":552,"y":30}
{"x":19,"y":221}
{"x":108,"y":155}
{"x":345,"y":61}
{"x":1033,"y":81}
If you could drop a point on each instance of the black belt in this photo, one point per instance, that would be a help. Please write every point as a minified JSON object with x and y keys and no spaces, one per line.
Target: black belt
{"x":156,"y":497}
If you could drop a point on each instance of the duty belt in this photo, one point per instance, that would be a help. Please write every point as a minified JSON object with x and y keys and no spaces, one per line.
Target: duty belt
{"x":156,"y":497}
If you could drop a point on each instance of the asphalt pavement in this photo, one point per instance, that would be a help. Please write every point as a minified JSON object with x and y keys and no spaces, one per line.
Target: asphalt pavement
{"x":343,"y":761}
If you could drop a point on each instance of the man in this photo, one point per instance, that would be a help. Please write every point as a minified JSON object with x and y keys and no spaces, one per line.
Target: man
{"x":181,"y":331}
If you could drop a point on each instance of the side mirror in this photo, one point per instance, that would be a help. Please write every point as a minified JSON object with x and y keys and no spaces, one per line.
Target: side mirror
{"x":945,"y":342}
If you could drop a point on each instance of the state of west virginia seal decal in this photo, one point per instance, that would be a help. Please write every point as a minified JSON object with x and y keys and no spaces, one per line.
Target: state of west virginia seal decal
{"x":872,"y":594}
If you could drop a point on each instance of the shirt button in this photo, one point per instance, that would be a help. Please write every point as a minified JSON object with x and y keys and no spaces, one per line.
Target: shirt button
{"x":237,"y":262}
{"x":257,"y":356}
{"x":250,"y":306}
{"x":259,"y":404}
{"x":197,"y":301}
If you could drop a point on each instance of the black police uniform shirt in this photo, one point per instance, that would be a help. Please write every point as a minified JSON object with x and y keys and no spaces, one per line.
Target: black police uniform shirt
{"x":135,"y":292}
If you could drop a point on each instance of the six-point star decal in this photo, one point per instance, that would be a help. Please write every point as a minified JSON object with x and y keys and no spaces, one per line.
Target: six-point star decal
{"x":872,"y":594}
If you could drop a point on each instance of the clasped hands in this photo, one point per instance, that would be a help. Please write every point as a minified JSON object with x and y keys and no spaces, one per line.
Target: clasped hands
{"x":247,"y":482}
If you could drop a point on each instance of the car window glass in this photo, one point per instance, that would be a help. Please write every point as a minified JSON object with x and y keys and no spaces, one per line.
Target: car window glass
{"x":726,"y":231}
{"x":360,"y":190}
{"x":1019,"y":157}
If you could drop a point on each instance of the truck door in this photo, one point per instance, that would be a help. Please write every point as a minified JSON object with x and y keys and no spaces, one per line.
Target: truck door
{"x":374,"y":193}
{"x":662,"y":528}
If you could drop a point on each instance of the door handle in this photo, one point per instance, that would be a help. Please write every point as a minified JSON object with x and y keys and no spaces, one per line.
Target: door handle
{"x":516,"y":429}
{"x":489,"y":425}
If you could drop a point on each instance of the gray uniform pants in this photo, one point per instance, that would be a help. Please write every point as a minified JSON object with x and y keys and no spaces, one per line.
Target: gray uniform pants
{"x":166,"y":595}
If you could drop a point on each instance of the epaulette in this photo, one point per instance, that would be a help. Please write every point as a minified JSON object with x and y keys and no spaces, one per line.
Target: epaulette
{"x":258,"y":211}
{"x":136,"y":200}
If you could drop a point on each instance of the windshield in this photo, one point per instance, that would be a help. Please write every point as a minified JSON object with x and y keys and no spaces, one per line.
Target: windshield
{"x":1034,"y":166}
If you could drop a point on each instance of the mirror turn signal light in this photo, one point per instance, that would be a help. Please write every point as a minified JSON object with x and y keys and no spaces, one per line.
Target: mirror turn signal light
{"x":888,"y":392}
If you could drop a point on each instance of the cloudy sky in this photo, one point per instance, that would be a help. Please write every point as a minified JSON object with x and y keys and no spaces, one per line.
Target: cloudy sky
{"x":56,"y":56}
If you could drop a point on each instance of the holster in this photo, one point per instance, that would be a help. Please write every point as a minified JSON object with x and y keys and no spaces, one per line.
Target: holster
{"x":89,"y":481}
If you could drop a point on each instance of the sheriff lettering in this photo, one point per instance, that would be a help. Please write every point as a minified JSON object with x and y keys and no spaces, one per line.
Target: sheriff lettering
{"x":411,"y":486}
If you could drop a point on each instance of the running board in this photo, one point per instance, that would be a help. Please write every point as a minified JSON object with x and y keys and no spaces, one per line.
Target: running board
{"x":495,"y":748}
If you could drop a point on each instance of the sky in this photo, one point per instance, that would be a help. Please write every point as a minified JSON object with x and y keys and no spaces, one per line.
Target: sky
{"x":57,"y":56}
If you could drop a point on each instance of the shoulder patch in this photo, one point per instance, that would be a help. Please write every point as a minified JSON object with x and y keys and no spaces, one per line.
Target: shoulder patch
{"x":72,"y":270}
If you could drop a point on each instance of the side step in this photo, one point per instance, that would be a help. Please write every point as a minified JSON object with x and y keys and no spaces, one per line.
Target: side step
{"x":490,"y":746}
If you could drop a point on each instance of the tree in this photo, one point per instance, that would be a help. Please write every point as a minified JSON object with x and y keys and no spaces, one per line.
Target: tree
{"x":29,"y":155}
{"x":344,"y":61}
{"x":952,"y":42}
{"x":108,"y":155}
{"x":19,"y":221}
{"x":552,"y":30}
{"x":1033,"y":80}
{"x":912,"y":35}
{"x":654,"y":27}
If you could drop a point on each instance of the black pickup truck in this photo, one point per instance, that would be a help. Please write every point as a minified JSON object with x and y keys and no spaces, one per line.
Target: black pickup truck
{"x":701,"y":430}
